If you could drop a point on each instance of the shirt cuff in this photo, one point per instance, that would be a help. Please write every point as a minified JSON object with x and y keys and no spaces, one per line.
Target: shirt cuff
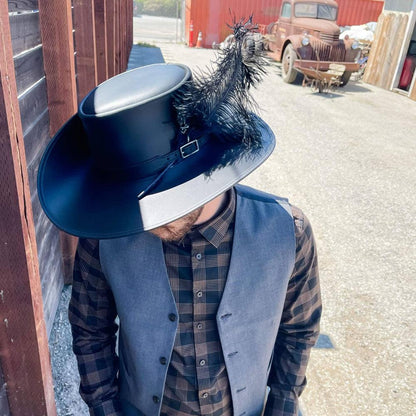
{"x":107,"y":408}
{"x":282,"y":405}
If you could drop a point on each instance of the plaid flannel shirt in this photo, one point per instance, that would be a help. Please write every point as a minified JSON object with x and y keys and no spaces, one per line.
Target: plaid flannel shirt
{"x":197,"y":382}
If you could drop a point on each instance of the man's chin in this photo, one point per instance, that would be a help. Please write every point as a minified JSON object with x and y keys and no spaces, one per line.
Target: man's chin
{"x":176,"y":230}
{"x":167,"y":234}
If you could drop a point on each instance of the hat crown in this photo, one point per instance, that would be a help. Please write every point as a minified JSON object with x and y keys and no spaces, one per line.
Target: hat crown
{"x":129,"y":119}
{"x":133,"y":88}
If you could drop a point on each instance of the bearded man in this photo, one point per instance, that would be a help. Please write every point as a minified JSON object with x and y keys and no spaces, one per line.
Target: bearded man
{"x":215,"y":285}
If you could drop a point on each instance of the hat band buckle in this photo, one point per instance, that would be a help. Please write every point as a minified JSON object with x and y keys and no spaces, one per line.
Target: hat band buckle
{"x":190,"y":148}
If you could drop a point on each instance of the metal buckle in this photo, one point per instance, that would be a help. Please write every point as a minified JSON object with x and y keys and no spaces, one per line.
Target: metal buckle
{"x":189,"y":149}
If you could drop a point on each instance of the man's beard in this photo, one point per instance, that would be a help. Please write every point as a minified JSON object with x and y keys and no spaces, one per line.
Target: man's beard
{"x":177,"y":229}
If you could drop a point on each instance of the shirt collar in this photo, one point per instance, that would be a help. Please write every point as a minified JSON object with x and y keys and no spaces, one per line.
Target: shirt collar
{"x":215,"y":230}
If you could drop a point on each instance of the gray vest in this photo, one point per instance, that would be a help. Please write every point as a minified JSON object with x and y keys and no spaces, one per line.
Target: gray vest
{"x":248,"y":317}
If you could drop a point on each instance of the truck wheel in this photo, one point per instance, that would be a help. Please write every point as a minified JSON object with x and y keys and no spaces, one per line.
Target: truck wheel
{"x":345,"y":78}
{"x":289,"y":73}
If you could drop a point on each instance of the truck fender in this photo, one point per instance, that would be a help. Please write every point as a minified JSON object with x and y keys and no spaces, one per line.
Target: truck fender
{"x":296,"y":42}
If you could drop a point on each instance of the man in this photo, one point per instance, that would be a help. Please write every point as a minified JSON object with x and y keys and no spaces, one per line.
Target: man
{"x":215,"y":285}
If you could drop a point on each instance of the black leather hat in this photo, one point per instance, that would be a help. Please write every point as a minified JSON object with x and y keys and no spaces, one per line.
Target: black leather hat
{"x":117,"y":168}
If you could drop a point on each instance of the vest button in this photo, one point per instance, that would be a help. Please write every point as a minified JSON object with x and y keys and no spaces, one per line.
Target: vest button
{"x":163,"y":360}
{"x":172,"y":317}
{"x":156,"y":399}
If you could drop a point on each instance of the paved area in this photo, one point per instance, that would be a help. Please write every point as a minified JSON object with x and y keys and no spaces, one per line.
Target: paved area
{"x":348,"y":160}
{"x":151,"y":29}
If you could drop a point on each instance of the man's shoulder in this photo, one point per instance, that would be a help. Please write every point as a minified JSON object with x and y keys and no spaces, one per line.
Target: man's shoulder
{"x":300,"y":220}
{"x":256,"y":194}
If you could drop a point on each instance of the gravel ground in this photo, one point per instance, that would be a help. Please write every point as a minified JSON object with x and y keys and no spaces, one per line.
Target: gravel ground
{"x":64,"y":366}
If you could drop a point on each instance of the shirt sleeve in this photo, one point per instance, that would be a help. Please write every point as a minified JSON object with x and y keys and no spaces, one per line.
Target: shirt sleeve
{"x":299,"y":327}
{"x":92,"y":314}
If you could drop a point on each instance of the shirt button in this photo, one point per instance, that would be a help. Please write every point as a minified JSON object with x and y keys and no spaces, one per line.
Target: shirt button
{"x":172,"y":317}
{"x":199,"y":294}
{"x":163,"y":360}
{"x":204,"y":395}
{"x":199,"y":326}
{"x":198,"y":256}
{"x":202,"y":363}
{"x":156,"y":399}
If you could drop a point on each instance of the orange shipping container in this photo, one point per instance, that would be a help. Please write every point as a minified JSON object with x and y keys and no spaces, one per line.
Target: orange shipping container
{"x":210,"y":17}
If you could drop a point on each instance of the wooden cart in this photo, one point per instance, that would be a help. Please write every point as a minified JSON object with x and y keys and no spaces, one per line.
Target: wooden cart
{"x":323,"y":81}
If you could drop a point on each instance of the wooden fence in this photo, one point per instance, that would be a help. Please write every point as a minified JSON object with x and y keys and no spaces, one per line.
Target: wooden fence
{"x":386,"y":51}
{"x":52,"y":53}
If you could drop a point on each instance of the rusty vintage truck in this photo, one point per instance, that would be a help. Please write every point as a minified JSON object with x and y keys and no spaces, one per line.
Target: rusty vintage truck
{"x":306,"y":36}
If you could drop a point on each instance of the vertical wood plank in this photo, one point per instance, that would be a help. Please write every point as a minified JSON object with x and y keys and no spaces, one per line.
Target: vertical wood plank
{"x":396,"y":37}
{"x":126,"y":35}
{"x":117,"y":37}
{"x":101,"y":39}
{"x":385,"y":55}
{"x":123,"y":34}
{"x":58,"y":56}
{"x":129,"y":27}
{"x":84,"y":25}
{"x":412,"y":93}
{"x":24,"y":344}
{"x":373,"y":59}
{"x":110,"y":9}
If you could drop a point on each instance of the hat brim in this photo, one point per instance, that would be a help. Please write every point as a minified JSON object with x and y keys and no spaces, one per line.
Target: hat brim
{"x":87,"y":203}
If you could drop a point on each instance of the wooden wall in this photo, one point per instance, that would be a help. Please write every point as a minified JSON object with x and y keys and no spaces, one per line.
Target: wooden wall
{"x":52,"y":53}
{"x":33,"y":103}
{"x":385,"y":50}
{"x":412,"y":94}
{"x":97,"y":55}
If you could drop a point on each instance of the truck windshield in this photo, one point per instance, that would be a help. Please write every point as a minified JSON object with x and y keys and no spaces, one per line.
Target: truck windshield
{"x":316,"y":11}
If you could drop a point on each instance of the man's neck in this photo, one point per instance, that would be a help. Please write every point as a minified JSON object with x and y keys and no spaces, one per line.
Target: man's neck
{"x":212,"y":208}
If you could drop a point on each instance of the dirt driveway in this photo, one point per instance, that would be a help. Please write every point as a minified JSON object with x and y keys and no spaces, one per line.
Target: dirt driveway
{"x":348,"y":159}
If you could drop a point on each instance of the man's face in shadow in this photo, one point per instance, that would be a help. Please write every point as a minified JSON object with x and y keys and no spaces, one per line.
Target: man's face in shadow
{"x":176,"y":230}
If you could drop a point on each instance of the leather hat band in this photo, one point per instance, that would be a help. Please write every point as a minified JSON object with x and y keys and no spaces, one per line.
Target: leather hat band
{"x":155,"y":165}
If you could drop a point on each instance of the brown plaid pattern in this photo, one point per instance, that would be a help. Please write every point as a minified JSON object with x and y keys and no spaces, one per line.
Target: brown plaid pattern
{"x":299,"y":326}
{"x":92,"y":313}
{"x":197,"y":382}
{"x":193,"y":386}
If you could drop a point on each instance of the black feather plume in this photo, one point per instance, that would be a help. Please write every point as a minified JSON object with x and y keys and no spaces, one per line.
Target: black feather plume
{"x":218,"y":101}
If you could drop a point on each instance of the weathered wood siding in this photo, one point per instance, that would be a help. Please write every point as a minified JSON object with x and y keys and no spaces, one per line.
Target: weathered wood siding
{"x":413,"y":92}
{"x":33,"y":103}
{"x":102,"y":34}
{"x":38,"y":94}
{"x":385,"y":51}
{"x":23,"y":337}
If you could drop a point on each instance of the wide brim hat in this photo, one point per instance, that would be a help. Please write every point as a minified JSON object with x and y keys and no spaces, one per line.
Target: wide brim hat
{"x":122,"y":165}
